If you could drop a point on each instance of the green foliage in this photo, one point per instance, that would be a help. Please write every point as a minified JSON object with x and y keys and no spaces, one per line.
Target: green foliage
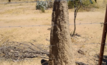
{"x":87,"y":4}
{"x":70,"y":4}
{"x":42,"y":9}
{"x":41,"y":4}
{"x":84,"y":4}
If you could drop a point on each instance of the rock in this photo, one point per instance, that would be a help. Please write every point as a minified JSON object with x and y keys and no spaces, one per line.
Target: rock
{"x":44,"y":62}
{"x":81,"y":52}
{"x":80,"y":63}
{"x":49,"y":29}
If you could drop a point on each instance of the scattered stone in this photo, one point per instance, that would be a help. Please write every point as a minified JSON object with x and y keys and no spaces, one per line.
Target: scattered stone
{"x":49,"y":29}
{"x":80,"y":63}
{"x":76,"y":34}
{"x":47,"y":40}
{"x":44,"y":62}
{"x":96,"y":56}
{"x":81,"y":52}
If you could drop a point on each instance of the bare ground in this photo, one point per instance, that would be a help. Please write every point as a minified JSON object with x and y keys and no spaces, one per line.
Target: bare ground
{"x":18,"y":26}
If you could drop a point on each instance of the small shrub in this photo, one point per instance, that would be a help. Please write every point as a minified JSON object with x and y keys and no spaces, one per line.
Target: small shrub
{"x":41,"y":4}
{"x":89,"y":4}
{"x":70,"y":4}
{"x":42,"y":9}
{"x":50,"y":4}
{"x":84,"y":4}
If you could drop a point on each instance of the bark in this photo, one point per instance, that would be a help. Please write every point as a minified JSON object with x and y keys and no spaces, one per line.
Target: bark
{"x":9,"y":0}
{"x":96,"y":1}
{"x":61,"y":52}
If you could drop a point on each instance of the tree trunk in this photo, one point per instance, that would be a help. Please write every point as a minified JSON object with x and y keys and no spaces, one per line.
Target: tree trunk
{"x":96,"y":1}
{"x":61,"y":52}
{"x":9,"y":0}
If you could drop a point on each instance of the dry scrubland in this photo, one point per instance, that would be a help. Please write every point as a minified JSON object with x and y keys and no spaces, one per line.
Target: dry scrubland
{"x":86,"y":46}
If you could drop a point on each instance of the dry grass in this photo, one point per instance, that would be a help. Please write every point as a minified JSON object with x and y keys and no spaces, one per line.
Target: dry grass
{"x":34,"y":61}
{"x":25,"y":14}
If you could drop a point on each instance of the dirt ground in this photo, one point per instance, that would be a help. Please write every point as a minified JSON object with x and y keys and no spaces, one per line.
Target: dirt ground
{"x":24,"y":24}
